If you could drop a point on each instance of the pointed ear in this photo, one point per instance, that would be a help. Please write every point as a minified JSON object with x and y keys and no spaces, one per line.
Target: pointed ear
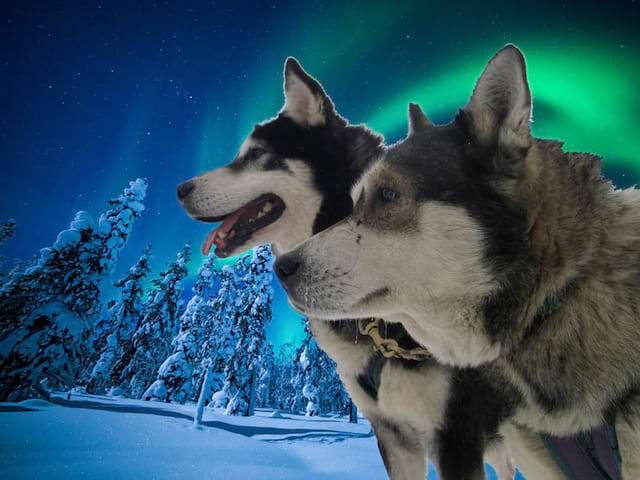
{"x":418,"y":121}
{"x":306,"y":103}
{"x":499,"y":111}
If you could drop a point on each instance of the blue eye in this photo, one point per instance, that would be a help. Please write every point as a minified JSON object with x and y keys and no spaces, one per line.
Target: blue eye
{"x":388,"y":194}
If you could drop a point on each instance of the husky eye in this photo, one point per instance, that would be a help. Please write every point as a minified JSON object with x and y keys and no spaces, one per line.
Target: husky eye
{"x":255,"y":153}
{"x":387,"y":194}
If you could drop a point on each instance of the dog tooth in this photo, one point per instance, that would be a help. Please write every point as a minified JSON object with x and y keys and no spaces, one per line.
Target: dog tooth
{"x":267,"y":207}
{"x":222,"y":235}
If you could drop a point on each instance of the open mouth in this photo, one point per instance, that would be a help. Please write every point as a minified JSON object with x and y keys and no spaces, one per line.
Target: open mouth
{"x":238,"y":227}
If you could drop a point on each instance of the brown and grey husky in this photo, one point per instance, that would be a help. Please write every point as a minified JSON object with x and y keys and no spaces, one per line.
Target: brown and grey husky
{"x":498,"y":252}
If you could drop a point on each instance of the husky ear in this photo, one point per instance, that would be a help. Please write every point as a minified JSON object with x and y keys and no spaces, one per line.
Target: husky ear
{"x":418,"y":121}
{"x":306,"y":103}
{"x":499,"y":111}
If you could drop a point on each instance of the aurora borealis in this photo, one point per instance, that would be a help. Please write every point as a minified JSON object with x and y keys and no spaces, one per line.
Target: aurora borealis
{"x":96,"y":94}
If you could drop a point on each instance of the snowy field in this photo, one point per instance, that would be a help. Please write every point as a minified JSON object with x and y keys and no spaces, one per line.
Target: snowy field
{"x":95,"y":437}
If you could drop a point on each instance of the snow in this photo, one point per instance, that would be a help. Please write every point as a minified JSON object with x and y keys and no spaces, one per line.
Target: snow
{"x":104,"y":438}
{"x":65,"y":319}
{"x":46,"y":254}
{"x":136,"y":206}
{"x":157,"y":391}
{"x":137,"y":189}
{"x":104,"y":225}
{"x":67,"y":237}
{"x":219,"y":398}
{"x":83,"y":220}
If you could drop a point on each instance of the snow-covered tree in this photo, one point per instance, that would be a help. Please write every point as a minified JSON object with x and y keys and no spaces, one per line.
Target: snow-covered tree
{"x":7,"y":229}
{"x":251,"y":320}
{"x":123,"y":316}
{"x":297,"y":402}
{"x":20,"y":266}
{"x":95,"y":342}
{"x":310,"y":362}
{"x":266,"y":377}
{"x":220,"y":336}
{"x":102,"y":328}
{"x":174,"y":381}
{"x":331,"y":394}
{"x":321,"y":385}
{"x":47,"y":311}
{"x":281,"y":388}
{"x":152,"y":338}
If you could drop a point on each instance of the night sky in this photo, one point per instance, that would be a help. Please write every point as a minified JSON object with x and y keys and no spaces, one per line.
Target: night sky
{"x":96,"y":94}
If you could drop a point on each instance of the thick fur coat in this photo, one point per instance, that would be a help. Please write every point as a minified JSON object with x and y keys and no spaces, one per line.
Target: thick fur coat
{"x":499,"y":252}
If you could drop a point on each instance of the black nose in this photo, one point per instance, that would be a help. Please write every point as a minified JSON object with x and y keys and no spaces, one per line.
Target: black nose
{"x":286,"y":266}
{"x":185,"y":188}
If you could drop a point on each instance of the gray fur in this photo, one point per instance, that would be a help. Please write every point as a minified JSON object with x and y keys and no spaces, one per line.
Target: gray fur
{"x":418,"y":121}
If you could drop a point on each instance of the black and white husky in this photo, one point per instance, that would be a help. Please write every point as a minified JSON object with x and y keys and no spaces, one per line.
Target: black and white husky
{"x":499,"y":251}
{"x":291,"y":178}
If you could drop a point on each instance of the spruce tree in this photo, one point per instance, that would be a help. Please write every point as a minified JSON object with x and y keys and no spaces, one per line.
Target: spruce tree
{"x":266,"y":377}
{"x":123,"y":317}
{"x":47,"y":311}
{"x":317,"y":388}
{"x":281,"y":387}
{"x":219,"y":335}
{"x":7,"y":230}
{"x":310,"y":363}
{"x":296,"y":401}
{"x":152,"y":338}
{"x":241,"y":373}
{"x":175,"y":374}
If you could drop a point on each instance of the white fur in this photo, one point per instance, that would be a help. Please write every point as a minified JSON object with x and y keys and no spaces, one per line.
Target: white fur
{"x":499,"y":456}
{"x":301,"y":104}
{"x":416,"y":398}
{"x":222,"y":191}
{"x":428,"y":295}
{"x":530,"y":453}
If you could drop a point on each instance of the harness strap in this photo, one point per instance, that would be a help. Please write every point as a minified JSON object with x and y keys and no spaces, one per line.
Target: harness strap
{"x":369,"y":379}
{"x":588,"y":456}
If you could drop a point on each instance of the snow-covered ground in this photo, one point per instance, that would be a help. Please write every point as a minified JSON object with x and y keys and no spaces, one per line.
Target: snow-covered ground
{"x":95,"y":437}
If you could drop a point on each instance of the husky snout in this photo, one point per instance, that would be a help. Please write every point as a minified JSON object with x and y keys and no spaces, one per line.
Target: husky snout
{"x":184,"y":189}
{"x":286,"y":267}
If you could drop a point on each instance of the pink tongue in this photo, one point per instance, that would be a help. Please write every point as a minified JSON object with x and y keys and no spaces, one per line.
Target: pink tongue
{"x":226,"y":227}
{"x":208,"y":243}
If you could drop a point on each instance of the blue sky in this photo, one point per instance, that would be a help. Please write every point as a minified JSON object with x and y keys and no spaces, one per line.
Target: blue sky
{"x":98,"y":93}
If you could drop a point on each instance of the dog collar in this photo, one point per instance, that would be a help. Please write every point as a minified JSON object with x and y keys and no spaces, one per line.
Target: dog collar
{"x":390,"y":347}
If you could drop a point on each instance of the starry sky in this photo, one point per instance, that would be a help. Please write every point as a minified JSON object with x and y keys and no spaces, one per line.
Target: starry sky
{"x":94,"y":94}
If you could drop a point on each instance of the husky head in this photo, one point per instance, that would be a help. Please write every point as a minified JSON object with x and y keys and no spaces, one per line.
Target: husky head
{"x":291,"y":177}
{"x":436,"y":224}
